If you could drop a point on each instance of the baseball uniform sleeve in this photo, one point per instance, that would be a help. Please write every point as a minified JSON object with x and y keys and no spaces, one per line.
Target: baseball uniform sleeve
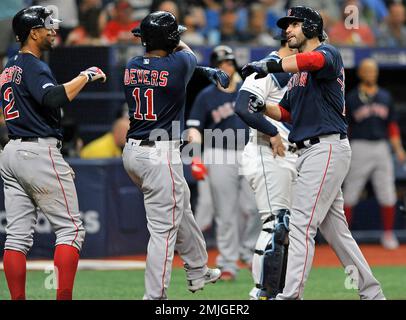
{"x":330,"y":70}
{"x":197,"y":118}
{"x":259,"y":87}
{"x":39,"y":81}
{"x":188,"y":61}
{"x":254,"y":120}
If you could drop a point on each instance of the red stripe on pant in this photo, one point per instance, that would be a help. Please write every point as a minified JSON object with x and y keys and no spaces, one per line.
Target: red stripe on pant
{"x":64,"y":196}
{"x":311,"y":218}
{"x":173,"y":225}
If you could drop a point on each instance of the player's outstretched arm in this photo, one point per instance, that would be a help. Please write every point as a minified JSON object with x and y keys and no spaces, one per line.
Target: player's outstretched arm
{"x":73,"y":87}
{"x":273,"y":111}
{"x":255,"y":120}
{"x":307,"y":61}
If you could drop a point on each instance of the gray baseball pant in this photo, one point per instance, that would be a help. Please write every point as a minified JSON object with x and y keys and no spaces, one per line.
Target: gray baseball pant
{"x":158,"y":172}
{"x":318,"y":203}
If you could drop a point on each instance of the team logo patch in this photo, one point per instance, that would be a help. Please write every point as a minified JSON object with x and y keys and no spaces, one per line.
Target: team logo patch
{"x":146,"y":61}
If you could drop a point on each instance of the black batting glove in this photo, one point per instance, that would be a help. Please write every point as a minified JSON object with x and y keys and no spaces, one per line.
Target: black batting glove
{"x":256,"y":104}
{"x":216,"y":76}
{"x":222,"y":78}
{"x":258,"y":67}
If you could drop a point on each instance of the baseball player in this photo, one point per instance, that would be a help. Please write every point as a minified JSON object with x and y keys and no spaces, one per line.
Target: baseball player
{"x":314,"y":103}
{"x":34,"y":173}
{"x":372,"y":124}
{"x":213,"y":110}
{"x":268,"y":162}
{"x":155,"y":89}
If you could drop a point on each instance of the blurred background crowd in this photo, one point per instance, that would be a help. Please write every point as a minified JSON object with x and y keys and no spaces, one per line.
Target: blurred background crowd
{"x":211,"y":22}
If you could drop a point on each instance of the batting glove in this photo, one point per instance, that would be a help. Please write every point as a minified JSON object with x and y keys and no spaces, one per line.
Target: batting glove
{"x":93,"y":74}
{"x":259,"y":67}
{"x":220,"y":77}
{"x":199,"y":170}
{"x":216,"y":76}
{"x":256,"y":104}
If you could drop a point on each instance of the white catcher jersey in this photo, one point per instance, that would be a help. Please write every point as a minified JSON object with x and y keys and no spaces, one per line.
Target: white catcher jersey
{"x":270,"y":91}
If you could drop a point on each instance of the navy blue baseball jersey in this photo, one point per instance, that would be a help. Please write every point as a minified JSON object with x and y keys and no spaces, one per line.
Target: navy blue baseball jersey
{"x":214,"y":109}
{"x":315,"y":99}
{"x":369,"y":116}
{"x":155,"y":90}
{"x":24,"y":83}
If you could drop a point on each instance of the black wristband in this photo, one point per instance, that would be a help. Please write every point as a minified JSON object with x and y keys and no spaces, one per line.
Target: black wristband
{"x":274,"y":66}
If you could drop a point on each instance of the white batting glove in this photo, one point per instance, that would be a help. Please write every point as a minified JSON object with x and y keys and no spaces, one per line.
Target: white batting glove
{"x":94,"y":74}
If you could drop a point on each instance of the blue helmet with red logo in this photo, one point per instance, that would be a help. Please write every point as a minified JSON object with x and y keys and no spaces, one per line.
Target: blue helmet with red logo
{"x":312,"y":21}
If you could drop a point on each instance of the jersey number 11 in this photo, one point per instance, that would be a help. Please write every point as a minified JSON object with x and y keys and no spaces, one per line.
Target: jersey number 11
{"x":149,"y":96}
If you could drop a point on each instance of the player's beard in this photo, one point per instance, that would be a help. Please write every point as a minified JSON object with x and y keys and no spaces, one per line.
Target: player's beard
{"x":297,"y":42}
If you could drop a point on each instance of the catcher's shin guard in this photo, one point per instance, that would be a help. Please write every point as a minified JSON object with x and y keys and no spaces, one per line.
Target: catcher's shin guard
{"x":264,"y":238}
{"x":275,"y":257}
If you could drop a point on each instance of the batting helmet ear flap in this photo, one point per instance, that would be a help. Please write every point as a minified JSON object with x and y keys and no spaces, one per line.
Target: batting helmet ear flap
{"x":136,"y":32}
{"x":310,"y":30}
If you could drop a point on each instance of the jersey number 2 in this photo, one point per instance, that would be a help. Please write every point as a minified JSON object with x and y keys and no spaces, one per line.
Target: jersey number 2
{"x":149,"y":96}
{"x":8,"y":113}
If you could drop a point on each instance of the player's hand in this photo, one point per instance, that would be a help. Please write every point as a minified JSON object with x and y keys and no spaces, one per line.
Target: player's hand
{"x":221,"y":78}
{"x":401,"y":156}
{"x":278,"y":149}
{"x":216,"y":76}
{"x":256,"y":104}
{"x":256,"y":66}
{"x":199,"y":170}
{"x":94,"y":74}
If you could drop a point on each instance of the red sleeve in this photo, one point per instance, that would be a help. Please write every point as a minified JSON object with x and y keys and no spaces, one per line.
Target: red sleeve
{"x":393,"y":130}
{"x":310,"y":61}
{"x":285,"y":114}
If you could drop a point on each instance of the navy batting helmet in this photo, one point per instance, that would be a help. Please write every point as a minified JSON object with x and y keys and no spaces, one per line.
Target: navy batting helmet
{"x":220,"y":54}
{"x":32,"y":18}
{"x":312,"y":21}
{"x":159,"y":30}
